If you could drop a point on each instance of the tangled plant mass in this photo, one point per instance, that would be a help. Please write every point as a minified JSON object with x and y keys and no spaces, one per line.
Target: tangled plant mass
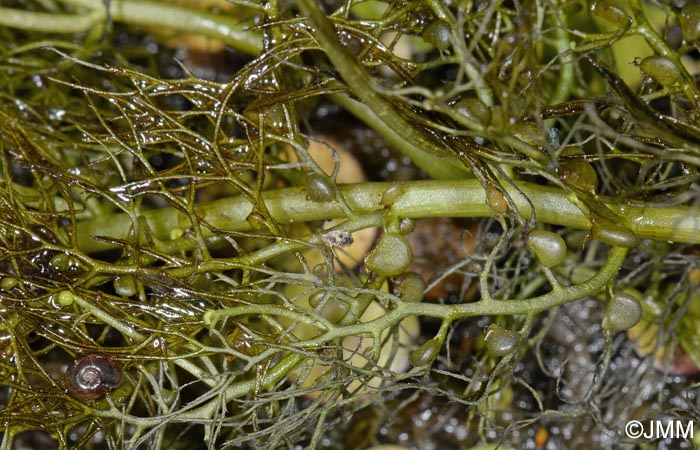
{"x":163,"y":219}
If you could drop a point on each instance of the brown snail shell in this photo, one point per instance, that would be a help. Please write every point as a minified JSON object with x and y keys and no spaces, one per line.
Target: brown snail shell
{"x":91,"y":376}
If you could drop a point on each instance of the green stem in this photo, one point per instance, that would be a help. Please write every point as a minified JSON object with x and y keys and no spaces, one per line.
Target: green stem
{"x":51,"y":22}
{"x":566,"y":73}
{"x":425,"y":161}
{"x":360,"y":83}
{"x":420,"y":199}
{"x":146,"y":13}
{"x":489,"y":307}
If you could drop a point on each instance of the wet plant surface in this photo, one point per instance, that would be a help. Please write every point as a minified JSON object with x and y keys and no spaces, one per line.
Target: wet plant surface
{"x":437,"y":225}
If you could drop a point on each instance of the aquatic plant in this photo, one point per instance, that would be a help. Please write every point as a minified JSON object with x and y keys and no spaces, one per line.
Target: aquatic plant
{"x":163,"y":218}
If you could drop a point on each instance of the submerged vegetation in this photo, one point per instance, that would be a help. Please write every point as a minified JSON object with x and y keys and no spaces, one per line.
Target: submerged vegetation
{"x":178,"y":269}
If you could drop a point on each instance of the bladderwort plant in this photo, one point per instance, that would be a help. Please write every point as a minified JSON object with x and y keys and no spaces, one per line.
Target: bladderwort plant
{"x":167,"y":280}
